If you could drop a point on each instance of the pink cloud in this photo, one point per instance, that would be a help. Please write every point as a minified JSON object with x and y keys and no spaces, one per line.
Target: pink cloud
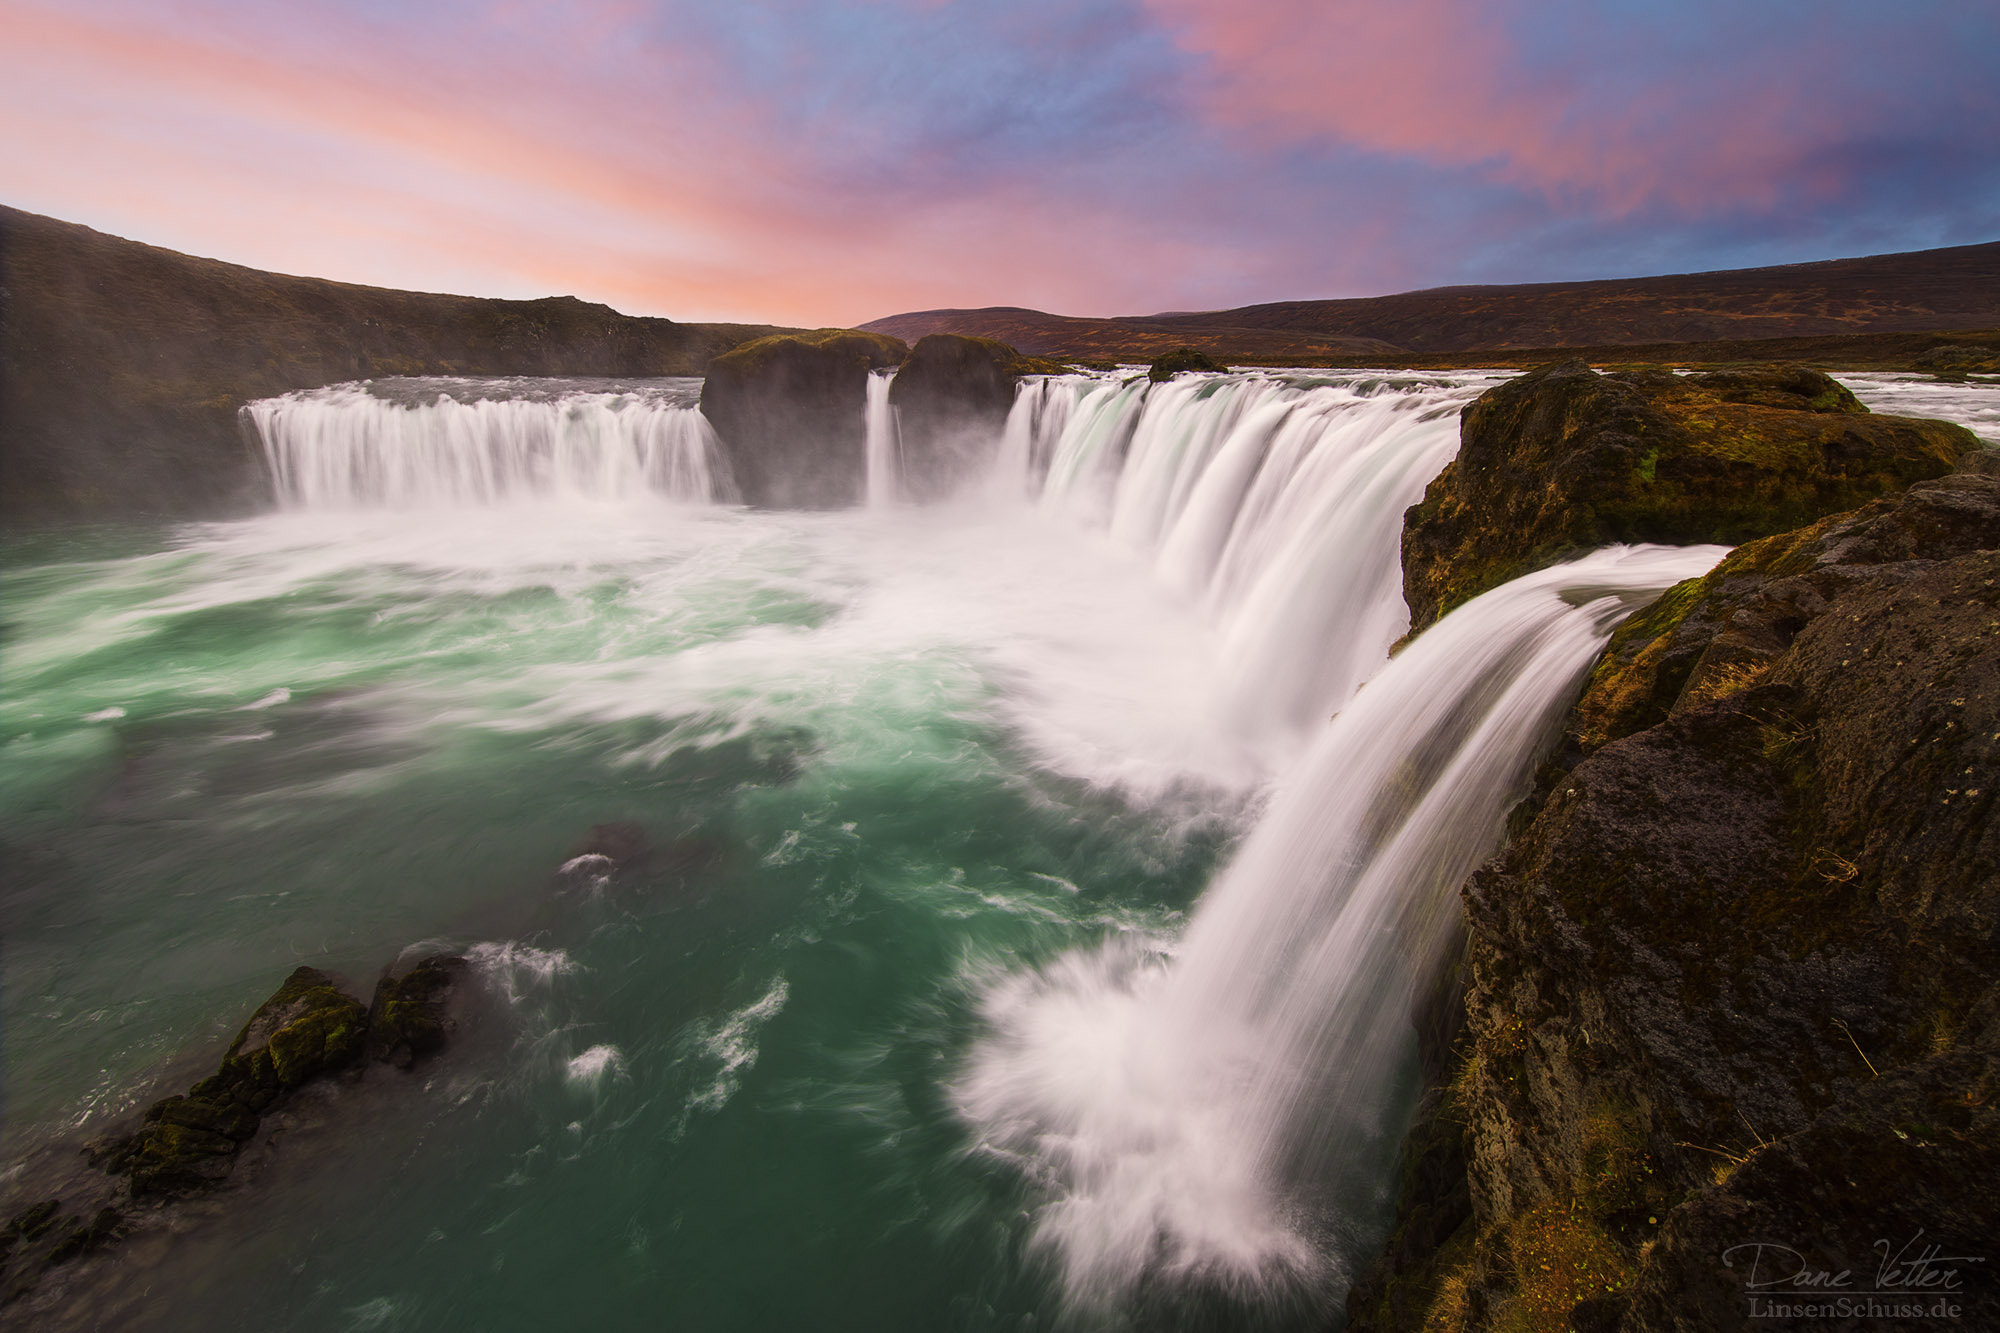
{"x":1445,"y":82}
{"x":600,"y":166}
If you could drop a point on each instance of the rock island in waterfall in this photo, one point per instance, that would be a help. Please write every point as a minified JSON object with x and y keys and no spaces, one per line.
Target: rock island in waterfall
{"x":1464,"y":810}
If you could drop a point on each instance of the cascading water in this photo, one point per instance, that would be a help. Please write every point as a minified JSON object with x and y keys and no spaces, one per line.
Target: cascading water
{"x":405,"y":443}
{"x":1225,"y":1109}
{"x":902,"y":753}
{"x":879,"y":431}
{"x":1275,"y":500}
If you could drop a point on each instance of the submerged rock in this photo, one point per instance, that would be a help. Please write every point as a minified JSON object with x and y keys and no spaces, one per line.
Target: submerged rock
{"x":790,"y":413}
{"x":1738,"y":982}
{"x":620,"y":845}
{"x":411,"y":1015}
{"x":951,"y":399}
{"x":612,"y":851}
{"x":1564,"y":460}
{"x":1182,"y":359}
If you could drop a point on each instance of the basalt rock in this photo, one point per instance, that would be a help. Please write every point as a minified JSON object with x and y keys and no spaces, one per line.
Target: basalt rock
{"x":411,"y":1016}
{"x":309,"y":1027}
{"x":1738,"y":982}
{"x":951,"y":399}
{"x":1564,"y":460}
{"x":790,"y":413}
{"x":1179,"y":361}
{"x":308,"y":1030}
{"x":42,"y":1237}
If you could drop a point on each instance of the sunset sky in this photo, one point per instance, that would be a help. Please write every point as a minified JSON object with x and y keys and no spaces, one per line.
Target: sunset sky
{"x":815,"y":162}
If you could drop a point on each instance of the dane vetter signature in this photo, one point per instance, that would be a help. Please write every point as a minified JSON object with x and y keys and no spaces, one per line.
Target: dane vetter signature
{"x":1905,"y":1268}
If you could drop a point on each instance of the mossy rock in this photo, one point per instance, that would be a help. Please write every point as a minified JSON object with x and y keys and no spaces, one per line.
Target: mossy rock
{"x":410,"y":1017}
{"x":789,"y":412}
{"x":861,"y":350}
{"x":1181,"y":359}
{"x":1564,"y":460}
{"x":1708,"y":636}
{"x":308,"y":1028}
{"x":1738,"y":977}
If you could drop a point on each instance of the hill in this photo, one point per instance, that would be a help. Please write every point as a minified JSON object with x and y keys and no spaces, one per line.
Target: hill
{"x":1948,"y":289}
{"x":122,"y":365}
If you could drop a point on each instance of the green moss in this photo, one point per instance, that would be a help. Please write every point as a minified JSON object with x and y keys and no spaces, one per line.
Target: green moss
{"x":1180,"y":360}
{"x":1564,"y":460}
{"x":871,"y":351}
{"x":1561,"y":1258}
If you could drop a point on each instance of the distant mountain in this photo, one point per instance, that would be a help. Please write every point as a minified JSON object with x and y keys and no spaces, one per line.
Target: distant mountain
{"x":1954,"y":288}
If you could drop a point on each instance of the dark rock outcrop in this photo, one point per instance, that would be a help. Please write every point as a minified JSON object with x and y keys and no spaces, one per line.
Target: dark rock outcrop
{"x":1738,"y":983}
{"x":307,"y":1031}
{"x":1180,"y":360}
{"x":411,"y":1015}
{"x":309,"y":1027}
{"x":1564,"y":460}
{"x":790,"y":412}
{"x":122,"y":365}
{"x":952,"y":397}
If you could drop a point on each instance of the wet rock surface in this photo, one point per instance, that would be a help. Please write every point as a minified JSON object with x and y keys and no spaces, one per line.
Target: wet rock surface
{"x":309,"y":1035}
{"x":951,"y":399}
{"x":1564,"y":460}
{"x":790,"y":412}
{"x":411,"y":1015}
{"x":1738,"y":982}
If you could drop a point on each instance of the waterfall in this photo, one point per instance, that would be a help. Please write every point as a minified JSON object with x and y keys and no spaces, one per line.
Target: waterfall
{"x":1226,"y":1108}
{"x":884,"y":444}
{"x":1275,"y":500}
{"x":473,"y":442}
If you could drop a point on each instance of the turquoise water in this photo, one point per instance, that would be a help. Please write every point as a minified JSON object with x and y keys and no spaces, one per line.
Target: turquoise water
{"x":916,"y":750}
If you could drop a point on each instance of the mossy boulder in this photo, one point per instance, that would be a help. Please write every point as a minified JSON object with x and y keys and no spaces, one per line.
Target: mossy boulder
{"x":1738,"y":980}
{"x":308,"y":1028}
{"x":411,"y":1015}
{"x":951,"y":399}
{"x":1564,"y":460}
{"x":790,"y":412}
{"x":1948,"y":362}
{"x":1181,"y":359}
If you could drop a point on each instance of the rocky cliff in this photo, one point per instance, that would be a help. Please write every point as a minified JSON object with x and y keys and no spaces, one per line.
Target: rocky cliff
{"x":122,"y":365}
{"x":1731,"y":1039}
{"x":1564,"y":460}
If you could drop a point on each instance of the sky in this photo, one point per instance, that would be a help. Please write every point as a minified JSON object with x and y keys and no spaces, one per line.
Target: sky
{"x":816,"y":162}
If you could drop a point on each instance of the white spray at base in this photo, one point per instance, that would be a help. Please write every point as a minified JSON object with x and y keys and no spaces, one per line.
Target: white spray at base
{"x":1227,"y":1113}
{"x":405,"y":444}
